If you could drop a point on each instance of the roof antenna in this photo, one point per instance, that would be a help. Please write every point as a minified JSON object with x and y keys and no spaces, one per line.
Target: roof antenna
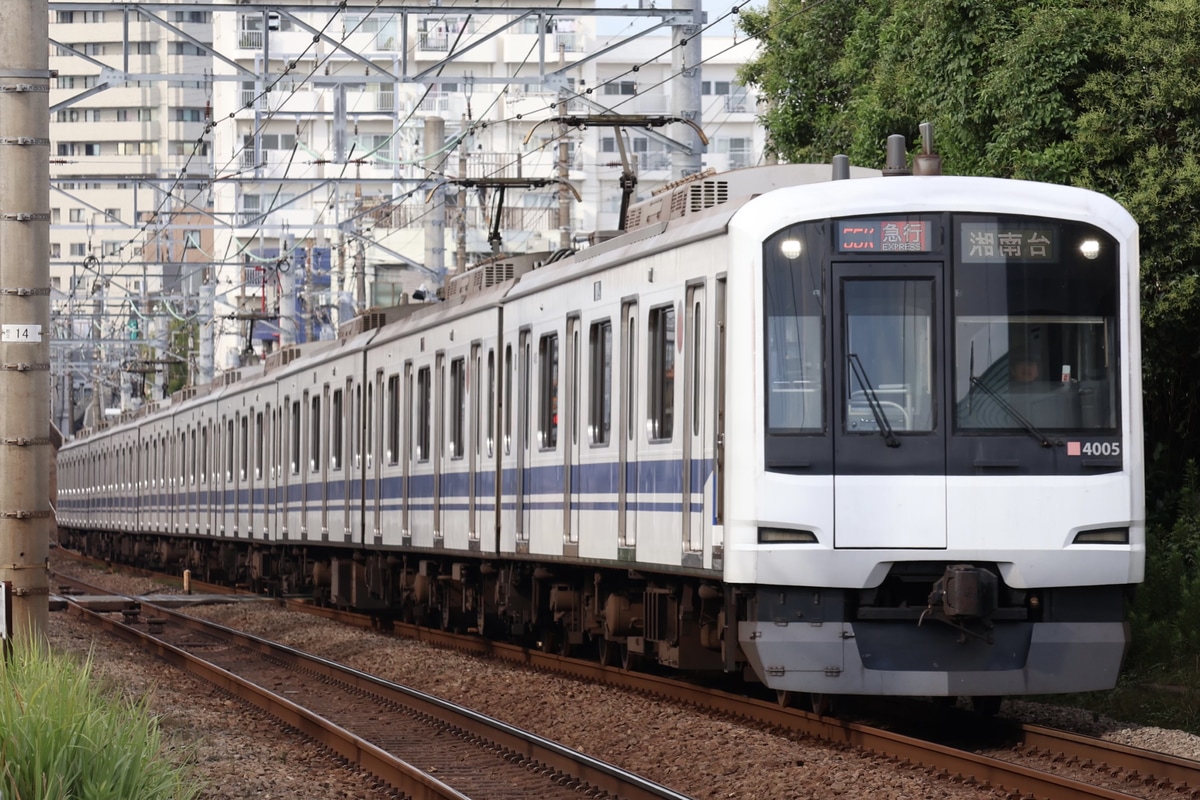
{"x":927,"y":162}
{"x":841,"y":167}
{"x":897,"y":156}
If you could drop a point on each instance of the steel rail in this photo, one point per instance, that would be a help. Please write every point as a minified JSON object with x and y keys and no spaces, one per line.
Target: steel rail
{"x":546,"y":753}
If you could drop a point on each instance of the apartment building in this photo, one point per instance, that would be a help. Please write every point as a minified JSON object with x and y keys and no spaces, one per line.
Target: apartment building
{"x":304,"y":163}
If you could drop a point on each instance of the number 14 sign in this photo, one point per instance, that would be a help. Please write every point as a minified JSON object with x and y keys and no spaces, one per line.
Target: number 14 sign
{"x":21,"y":333}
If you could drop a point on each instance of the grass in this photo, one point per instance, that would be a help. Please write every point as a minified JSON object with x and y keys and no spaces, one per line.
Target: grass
{"x":63,"y":736}
{"x":1161,"y":695}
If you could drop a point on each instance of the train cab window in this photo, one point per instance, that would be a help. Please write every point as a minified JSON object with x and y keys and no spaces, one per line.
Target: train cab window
{"x":458,"y":407}
{"x":423,"y":417}
{"x":393,"y":419}
{"x":337,"y":426}
{"x":889,"y":332}
{"x":548,"y":391}
{"x":793,"y":288}
{"x":660,"y":383}
{"x":1035,"y":325}
{"x":600,"y":382}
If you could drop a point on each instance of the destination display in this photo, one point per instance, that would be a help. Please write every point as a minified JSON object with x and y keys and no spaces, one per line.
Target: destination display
{"x":992,"y":242}
{"x":884,"y":235}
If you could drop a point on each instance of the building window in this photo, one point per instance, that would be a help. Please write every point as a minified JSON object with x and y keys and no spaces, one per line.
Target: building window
{"x":78,"y":249}
{"x":76,"y":215}
{"x":620,"y":87}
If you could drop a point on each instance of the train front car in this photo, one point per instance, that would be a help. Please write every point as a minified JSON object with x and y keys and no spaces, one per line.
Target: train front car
{"x":934,"y":456}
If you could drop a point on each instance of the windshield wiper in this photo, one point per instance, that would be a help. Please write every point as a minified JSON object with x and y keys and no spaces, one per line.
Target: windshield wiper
{"x":1029,"y":427}
{"x":881,"y":420}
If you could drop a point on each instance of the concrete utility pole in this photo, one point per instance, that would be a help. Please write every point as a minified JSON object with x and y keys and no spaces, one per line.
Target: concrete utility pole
{"x":25,"y":514}
{"x":685,"y":62}
{"x":435,"y":211}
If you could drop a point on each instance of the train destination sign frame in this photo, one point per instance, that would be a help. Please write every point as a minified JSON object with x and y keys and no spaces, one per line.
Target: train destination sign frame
{"x":885,"y":235}
{"x":997,"y":242}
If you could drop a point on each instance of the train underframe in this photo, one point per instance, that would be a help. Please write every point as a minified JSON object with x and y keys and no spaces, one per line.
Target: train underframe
{"x":619,"y":616}
{"x":931,"y":629}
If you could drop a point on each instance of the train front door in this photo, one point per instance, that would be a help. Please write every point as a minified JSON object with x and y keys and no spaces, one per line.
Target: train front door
{"x":889,"y":422}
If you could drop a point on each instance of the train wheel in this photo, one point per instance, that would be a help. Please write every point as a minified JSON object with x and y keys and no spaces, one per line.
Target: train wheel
{"x":784,"y":698}
{"x":629,"y":659}
{"x":822,"y":704}
{"x":987,"y":706}
{"x":608,"y":651}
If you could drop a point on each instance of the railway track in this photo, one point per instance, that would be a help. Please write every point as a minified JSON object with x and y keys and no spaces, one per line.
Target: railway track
{"x":384,"y":728}
{"x":1067,"y":765}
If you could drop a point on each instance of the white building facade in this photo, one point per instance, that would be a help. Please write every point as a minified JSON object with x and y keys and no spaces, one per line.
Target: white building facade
{"x":343,"y":159}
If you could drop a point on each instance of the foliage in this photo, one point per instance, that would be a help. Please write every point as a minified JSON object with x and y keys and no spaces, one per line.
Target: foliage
{"x":1096,"y":93}
{"x":60,"y":738}
{"x":180,"y":336}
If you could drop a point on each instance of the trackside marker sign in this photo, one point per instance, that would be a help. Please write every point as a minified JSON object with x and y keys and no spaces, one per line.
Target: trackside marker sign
{"x":6,"y":612}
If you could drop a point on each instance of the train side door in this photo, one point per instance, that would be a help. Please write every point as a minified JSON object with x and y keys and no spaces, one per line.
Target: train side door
{"x":407,"y":456}
{"x":524,"y":366}
{"x":718,"y":385}
{"x":627,"y":449}
{"x":889,"y":432}
{"x":374,"y":446}
{"x":474,"y":388}
{"x":571,"y":452}
{"x":694,"y":471}
{"x":439,"y":439}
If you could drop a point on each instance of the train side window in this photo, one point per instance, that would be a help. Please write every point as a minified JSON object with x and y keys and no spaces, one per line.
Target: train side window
{"x":203,"y":454}
{"x":245,"y":447}
{"x":182,"y":459}
{"x":508,"y":383}
{"x":258,"y":444}
{"x":370,"y":423}
{"x":337,"y":424}
{"x":458,"y":406}
{"x":660,"y":383}
{"x":393,"y":419}
{"x":229,"y":450}
{"x":195,"y":459}
{"x":490,"y":411}
{"x":600,"y":383}
{"x":548,"y":391}
{"x":314,"y":436}
{"x":423,"y":415}
{"x":294,"y":427}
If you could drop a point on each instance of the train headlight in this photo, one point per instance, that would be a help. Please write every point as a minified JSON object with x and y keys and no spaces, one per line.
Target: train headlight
{"x":1105,"y":536}
{"x":785,"y":536}
{"x":1090,"y":249}
{"x":790,"y":248}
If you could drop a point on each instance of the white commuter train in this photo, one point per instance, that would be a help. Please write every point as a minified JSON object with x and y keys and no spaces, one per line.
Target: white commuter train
{"x":879,"y":435}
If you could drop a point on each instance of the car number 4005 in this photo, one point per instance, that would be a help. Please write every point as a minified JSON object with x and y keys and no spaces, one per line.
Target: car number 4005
{"x":1101,"y":448}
